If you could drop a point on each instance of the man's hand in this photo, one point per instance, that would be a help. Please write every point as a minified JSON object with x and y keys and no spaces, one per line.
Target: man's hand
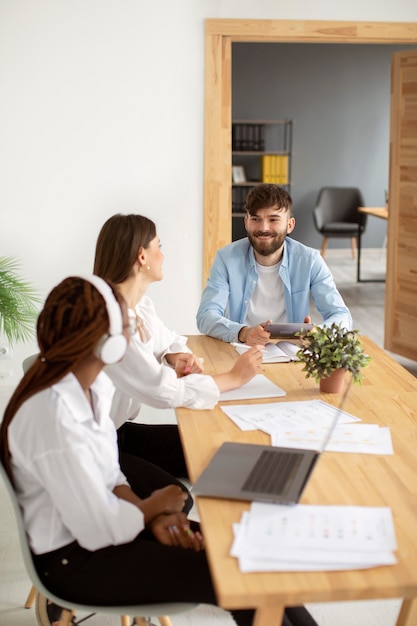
{"x":255,"y":335}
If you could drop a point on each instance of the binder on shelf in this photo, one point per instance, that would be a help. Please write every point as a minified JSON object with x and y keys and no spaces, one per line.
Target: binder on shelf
{"x":266,"y":168}
{"x":274,"y":169}
{"x":283,"y":170}
{"x":236,"y":136}
{"x":248,"y":137}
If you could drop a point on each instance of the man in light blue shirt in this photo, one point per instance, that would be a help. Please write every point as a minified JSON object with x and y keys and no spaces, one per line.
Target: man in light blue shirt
{"x":267,"y":277}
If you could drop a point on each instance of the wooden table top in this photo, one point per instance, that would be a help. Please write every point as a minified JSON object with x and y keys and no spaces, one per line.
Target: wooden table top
{"x":375,"y":211}
{"x":388,"y":397}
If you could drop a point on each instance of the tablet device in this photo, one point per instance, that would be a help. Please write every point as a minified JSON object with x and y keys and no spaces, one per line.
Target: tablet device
{"x":287,"y":330}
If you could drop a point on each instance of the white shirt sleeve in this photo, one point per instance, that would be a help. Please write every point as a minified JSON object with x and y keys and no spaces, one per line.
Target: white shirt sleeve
{"x":65,"y":466}
{"x":141,"y":377}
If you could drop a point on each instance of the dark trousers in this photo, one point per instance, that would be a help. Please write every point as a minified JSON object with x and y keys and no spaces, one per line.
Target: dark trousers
{"x":151,"y":457}
{"x":144,"y":570}
{"x":159,"y":444}
{"x":139,"y":572}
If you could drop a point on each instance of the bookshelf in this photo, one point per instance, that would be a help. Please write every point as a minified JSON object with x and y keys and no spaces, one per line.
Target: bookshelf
{"x":261,"y":152}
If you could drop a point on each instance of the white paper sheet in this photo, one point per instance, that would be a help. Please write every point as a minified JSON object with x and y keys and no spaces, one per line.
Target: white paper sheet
{"x":280,"y":416}
{"x":259,"y":387}
{"x":310,"y":538}
{"x":359,"y":438}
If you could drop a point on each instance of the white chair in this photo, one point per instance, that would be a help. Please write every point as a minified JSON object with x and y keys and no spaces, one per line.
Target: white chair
{"x":41,"y":592}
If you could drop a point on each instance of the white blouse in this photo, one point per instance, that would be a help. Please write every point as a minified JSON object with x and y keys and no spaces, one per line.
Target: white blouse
{"x":64,"y":460}
{"x":143,"y":375}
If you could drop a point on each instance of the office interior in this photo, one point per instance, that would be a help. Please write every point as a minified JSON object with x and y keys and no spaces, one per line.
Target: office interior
{"x":339,"y":103}
{"x":102,"y":111}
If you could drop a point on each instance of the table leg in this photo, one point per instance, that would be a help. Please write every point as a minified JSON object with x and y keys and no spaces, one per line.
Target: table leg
{"x":269,"y":616}
{"x":408,"y":613}
{"x":358,"y":270}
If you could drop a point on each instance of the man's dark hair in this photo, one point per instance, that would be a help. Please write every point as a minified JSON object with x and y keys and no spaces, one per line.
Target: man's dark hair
{"x":265,"y":196}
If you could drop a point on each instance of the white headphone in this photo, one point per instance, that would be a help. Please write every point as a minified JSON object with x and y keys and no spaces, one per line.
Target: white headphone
{"x":113,"y":345}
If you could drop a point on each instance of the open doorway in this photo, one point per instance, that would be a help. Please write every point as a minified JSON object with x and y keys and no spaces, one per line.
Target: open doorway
{"x":220,"y":34}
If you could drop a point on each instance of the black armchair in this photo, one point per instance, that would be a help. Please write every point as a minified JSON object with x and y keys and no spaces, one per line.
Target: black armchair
{"x":336,"y":215}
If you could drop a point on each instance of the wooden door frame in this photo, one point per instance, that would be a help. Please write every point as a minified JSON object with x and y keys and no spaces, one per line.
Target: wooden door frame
{"x":219,"y":36}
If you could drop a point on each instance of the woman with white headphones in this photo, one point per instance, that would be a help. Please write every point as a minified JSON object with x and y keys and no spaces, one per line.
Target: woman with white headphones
{"x":93,"y":538}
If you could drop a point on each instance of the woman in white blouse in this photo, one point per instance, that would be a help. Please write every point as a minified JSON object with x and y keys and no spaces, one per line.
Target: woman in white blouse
{"x":93,"y":539}
{"x":158,"y":369}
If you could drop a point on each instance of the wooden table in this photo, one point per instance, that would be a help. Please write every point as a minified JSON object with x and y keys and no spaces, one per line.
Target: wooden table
{"x":381,"y":212}
{"x":388,"y":396}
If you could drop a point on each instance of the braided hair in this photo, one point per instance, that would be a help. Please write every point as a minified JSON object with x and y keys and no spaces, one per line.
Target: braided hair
{"x":72,"y":322}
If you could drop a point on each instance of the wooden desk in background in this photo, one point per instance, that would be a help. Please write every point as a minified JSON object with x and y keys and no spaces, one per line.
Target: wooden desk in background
{"x":381,"y":212}
{"x":387,"y":397}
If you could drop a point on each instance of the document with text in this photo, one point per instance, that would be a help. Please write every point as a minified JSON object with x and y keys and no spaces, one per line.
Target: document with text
{"x":272,"y":537}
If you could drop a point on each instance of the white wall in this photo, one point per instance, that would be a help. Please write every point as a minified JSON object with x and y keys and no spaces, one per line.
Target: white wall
{"x":101,"y":110}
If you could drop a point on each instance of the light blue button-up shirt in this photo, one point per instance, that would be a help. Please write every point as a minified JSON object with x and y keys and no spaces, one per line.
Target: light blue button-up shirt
{"x":233,"y":278}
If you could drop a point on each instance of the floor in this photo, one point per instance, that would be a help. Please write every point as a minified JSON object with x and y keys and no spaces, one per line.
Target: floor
{"x":366,"y":302}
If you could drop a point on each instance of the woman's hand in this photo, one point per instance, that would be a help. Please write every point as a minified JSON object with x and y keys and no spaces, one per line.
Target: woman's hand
{"x":174,"y":530}
{"x":246,"y":367}
{"x":167,"y":500}
{"x":185,"y":363}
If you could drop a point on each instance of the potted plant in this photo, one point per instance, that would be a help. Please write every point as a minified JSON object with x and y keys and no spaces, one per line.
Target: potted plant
{"x":18,"y":300}
{"x":328,"y":352}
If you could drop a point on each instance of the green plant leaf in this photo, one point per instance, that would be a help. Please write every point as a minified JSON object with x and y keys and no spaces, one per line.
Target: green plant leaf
{"x":324,"y":349}
{"x":18,"y":303}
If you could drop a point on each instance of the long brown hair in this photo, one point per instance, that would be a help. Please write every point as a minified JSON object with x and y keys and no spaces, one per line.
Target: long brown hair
{"x":72,"y":322}
{"x":118,"y":244}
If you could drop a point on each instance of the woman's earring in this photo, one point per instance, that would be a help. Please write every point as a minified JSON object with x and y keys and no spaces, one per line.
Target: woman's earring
{"x":142,"y":270}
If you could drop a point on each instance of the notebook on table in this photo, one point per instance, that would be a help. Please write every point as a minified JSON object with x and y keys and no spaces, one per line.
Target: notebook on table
{"x":280,"y":352}
{"x":241,"y":471}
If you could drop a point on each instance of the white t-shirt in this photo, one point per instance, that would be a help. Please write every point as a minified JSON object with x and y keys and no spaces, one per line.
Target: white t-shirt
{"x":64,"y":460}
{"x":142,"y":376}
{"x":267,"y":301}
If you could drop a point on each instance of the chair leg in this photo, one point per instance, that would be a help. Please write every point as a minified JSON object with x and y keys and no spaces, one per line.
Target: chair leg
{"x":66,"y":617}
{"x":324,"y":246}
{"x":353,"y":240}
{"x":31,"y":598}
{"x":125,"y":620}
{"x":143,"y":621}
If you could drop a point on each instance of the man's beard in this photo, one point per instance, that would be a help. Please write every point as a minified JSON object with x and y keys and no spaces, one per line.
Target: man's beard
{"x":266,"y":248}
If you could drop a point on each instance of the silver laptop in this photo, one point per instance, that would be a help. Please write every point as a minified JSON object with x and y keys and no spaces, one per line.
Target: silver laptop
{"x":241,"y":471}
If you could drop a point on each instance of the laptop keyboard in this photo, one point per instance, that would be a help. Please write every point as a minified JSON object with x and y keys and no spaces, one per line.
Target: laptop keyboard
{"x":273,"y":471}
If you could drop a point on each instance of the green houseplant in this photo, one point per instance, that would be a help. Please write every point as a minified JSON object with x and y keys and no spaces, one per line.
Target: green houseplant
{"x":18,"y":300}
{"x":328,"y":349}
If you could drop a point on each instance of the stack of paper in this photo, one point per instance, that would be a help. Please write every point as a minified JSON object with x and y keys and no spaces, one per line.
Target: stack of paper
{"x":271,"y":537}
{"x":304,"y":424}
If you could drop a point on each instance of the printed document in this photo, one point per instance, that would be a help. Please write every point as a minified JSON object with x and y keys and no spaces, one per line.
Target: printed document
{"x":272,"y":537}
